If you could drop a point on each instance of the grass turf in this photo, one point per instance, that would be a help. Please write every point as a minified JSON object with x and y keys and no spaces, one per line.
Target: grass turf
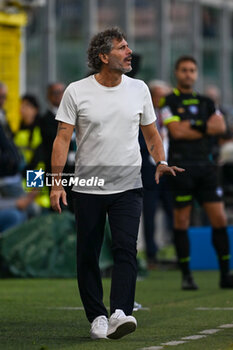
{"x":29,"y":319}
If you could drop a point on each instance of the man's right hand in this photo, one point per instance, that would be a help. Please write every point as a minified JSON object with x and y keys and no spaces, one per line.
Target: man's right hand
{"x":55,"y":197}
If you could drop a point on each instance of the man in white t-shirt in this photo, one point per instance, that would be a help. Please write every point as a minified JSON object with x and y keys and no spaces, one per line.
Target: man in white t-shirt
{"x":106,"y":110}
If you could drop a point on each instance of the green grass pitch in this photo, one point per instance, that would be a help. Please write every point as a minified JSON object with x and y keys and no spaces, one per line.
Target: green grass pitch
{"x":30,"y":317}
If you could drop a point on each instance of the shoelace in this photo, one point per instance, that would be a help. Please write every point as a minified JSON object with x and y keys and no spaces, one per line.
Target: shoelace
{"x":100,"y":322}
{"x":118,"y":315}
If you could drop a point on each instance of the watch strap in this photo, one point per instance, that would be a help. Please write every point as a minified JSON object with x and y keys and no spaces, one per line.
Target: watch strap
{"x":163,"y":162}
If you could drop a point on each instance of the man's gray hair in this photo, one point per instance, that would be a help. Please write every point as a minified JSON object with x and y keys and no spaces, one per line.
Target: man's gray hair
{"x":102,"y":43}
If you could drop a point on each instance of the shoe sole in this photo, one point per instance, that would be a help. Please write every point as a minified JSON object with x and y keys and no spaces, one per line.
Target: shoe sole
{"x":95,"y":337}
{"x":122,"y":330}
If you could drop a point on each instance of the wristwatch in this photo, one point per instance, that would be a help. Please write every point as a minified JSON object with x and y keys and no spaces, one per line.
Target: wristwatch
{"x":163,"y":162}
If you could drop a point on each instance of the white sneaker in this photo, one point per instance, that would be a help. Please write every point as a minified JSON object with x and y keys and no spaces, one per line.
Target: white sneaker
{"x":120,"y":325}
{"x":99,"y":328}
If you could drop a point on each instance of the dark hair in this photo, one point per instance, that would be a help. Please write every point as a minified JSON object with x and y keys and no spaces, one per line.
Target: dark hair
{"x":185,"y":59}
{"x":32,"y":100}
{"x":102,"y":43}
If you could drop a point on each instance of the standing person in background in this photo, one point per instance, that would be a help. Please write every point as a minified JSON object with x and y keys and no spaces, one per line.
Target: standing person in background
{"x":154,"y":194}
{"x":28,"y":139}
{"x":223,"y":147}
{"x":107,"y":109}
{"x":214,"y":93}
{"x":15,"y":204}
{"x":48,"y":122}
{"x":10,"y":183}
{"x":3,"y":118}
{"x":191,"y":119}
{"x":49,"y":125}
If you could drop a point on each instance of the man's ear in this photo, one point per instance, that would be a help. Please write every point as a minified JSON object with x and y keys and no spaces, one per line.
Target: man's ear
{"x":104,"y":57}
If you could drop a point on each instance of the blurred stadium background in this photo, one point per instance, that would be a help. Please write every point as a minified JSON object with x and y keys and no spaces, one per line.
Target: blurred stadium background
{"x":58,"y":33}
{"x":55,"y":35}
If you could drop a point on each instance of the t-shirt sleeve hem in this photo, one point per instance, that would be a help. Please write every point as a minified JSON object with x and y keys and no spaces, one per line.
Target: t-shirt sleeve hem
{"x":148,"y":122}
{"x":64,"y":120}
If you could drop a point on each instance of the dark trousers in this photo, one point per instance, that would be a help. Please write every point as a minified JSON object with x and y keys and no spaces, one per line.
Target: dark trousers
{"x":124,"y":210}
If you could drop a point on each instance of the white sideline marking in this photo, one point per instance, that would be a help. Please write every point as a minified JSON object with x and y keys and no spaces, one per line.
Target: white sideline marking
{"x":229,"y":325}
{"x":153,"y":348}
{"x":210,"y":331}
{"x":214,"y":308}
{"x":175,"y":342}
{"x":67,"y":308}
{"x":194,"y":337}
{"x":80,"y":308}
{"x":203,"y":334}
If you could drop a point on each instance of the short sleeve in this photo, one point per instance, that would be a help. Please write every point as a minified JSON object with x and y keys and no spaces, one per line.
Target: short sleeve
{"x":166,"y":112}
{"x":148,"y":116}
{"x":67,"y":111}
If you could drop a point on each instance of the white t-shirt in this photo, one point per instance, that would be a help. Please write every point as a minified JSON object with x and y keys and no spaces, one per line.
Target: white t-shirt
{"x":107,"y":122}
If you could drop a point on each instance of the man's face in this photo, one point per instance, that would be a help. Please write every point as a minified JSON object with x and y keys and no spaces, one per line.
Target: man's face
{"x":55,"y":94}
{"x":186,"y":74}
{"x":120,"y":57}
{"x":3,"y":96}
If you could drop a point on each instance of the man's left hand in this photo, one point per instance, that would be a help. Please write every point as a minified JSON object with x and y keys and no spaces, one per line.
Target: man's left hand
{"x":165,"y":169}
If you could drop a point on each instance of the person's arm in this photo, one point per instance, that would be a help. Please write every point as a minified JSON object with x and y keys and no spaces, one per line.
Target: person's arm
{"x":182,"y":130}
{"x":178,"y":129}
{"x":58,"y":160}
{"x":155,"y":148}
{"x":216,"y":125}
